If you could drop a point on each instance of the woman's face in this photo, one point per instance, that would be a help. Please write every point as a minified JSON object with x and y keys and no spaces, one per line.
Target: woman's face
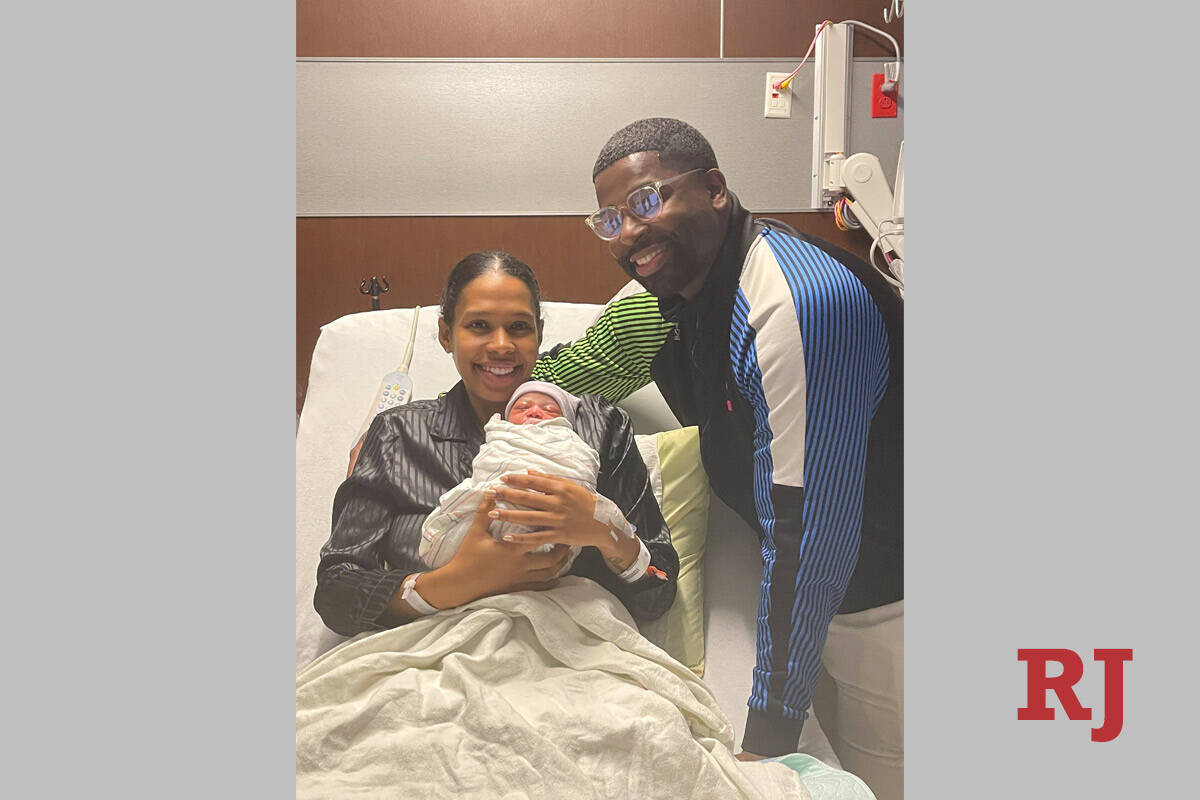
{"x":493,"y":338}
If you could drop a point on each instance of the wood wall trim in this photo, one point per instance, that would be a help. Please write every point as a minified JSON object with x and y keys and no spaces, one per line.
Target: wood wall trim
{"x":578,"y":28}
{"x":334,"y":254}
{"x":507,"y":29}
{"x":774,"y":28}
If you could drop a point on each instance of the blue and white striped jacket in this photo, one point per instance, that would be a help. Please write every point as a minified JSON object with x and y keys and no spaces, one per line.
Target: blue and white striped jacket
{"x":790,"y":361}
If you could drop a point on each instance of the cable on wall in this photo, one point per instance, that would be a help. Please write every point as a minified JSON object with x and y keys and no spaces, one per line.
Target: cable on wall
{"x":891,"y":72}
{"x":783,"y":84}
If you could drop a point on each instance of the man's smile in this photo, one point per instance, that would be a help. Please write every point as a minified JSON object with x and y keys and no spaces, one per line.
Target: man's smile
{"x":649,"y":260}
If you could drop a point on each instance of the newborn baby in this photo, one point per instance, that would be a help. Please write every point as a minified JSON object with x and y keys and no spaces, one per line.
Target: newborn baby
{"x":536,"y":433}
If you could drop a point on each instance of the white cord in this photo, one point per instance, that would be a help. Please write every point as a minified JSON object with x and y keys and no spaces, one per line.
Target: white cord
{"x":886,"y":273}
{"x":897,"y":11}
{"x":899,"y":286}
{"x":412,"y":337}
{"x":897,"y":227}
{"x":889,"y":75}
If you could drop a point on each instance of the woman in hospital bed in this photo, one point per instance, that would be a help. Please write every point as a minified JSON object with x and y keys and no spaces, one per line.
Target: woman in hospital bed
{"x":547,"y":693}
{"x":370,"y":576}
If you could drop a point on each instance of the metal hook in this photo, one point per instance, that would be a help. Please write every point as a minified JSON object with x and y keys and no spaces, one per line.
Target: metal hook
{"x":374,"y":289}
{"x":897,"y":10}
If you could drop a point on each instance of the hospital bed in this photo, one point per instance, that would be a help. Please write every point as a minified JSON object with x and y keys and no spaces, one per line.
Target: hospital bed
{"x":351,"y":356}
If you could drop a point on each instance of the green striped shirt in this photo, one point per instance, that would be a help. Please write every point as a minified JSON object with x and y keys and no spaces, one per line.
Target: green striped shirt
{"x":612,"y":359}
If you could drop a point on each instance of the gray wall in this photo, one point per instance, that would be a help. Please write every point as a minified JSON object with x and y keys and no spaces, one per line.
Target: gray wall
{"x":516,"y":137}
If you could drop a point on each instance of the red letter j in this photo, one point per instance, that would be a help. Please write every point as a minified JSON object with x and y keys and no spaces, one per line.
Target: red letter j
{"x":1114,"y":693}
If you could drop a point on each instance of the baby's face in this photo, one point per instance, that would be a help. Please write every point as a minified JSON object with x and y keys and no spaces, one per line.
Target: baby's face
{"x":533,"y":407}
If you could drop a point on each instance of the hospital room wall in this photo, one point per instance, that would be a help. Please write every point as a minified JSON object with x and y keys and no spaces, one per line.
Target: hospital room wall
{"x":334,"y":254}
{"x":577,"y":28}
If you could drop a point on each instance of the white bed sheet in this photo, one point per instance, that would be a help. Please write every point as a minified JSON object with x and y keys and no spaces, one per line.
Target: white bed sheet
{"x":520,"y":695}
{"x":352,"y":355}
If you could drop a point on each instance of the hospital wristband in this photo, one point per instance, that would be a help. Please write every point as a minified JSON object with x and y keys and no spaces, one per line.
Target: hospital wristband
{"x":637,"y":570}
{"x":410,"y":596}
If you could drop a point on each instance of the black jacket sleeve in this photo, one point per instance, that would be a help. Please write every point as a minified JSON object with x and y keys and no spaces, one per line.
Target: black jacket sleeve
{"x":355,"y":582}
{"x":624,"y":480}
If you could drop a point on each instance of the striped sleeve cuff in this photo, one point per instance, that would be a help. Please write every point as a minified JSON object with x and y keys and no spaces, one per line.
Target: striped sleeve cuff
{"x":379,"y":598}
{"x":769,"y":734}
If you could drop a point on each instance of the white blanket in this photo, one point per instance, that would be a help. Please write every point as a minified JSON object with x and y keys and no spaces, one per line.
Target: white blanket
{"x":536,"y":694}
{"x":551,"y":446}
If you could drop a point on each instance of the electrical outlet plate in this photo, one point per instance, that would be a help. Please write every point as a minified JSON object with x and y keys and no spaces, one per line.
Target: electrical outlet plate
{"x":777,"y":103}
{"x":883,"y":104}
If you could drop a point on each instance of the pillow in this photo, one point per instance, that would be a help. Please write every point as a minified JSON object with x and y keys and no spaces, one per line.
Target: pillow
{"x":681,"y":488}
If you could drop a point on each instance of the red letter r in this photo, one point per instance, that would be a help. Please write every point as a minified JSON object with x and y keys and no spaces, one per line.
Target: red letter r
{"x":1038,"y":683}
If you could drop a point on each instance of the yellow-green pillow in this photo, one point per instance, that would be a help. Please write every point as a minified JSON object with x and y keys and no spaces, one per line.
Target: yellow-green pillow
{"x":681,"y":488}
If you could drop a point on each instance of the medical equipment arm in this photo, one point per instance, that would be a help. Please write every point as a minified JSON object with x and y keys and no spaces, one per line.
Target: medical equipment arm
{"x":861,"y":177}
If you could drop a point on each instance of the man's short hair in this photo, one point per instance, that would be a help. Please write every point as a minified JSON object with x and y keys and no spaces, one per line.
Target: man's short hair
{"x":679,"y":145}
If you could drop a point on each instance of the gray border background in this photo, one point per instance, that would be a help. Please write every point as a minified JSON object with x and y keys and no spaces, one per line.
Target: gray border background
{"x":149,"y":330}
{"x":1050,"y":423}
{"x":1051,"y":420}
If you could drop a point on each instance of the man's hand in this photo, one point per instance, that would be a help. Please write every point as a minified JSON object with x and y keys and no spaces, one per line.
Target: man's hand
{"x":748,"y":756}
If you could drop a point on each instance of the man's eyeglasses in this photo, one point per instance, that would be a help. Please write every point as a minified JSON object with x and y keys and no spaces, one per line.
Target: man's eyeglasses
{"x":645,"y":203}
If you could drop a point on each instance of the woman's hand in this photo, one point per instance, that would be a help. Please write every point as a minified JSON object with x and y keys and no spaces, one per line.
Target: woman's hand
{"x":561,"y":512}
{"x":483,"y":566}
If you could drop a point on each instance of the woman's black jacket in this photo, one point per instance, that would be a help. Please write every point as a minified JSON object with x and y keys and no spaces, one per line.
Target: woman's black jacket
{"x":412,"y":455}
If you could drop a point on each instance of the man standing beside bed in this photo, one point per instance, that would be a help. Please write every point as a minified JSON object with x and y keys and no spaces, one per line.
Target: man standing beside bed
{"x":787,"y":353}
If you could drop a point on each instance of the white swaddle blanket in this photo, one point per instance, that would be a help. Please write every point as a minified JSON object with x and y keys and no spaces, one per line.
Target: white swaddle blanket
{"x":551,"y":446}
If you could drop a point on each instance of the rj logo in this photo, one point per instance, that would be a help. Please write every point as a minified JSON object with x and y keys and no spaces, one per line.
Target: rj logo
{"x":1039,"y":683}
